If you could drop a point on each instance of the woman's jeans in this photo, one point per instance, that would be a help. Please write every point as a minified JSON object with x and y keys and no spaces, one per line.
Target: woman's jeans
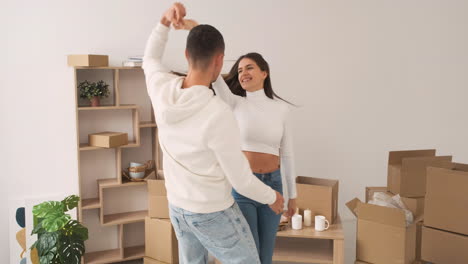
{"x":262,"y":220}
{"x":225,"y":234}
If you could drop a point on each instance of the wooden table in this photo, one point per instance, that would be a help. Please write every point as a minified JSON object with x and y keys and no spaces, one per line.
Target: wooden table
{"x":310,"y":246}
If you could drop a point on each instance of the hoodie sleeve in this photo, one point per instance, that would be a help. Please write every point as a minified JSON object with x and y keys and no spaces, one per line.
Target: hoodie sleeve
{"x":155,"y":72}
{"x":224,"y":141}
{"x":222,"y":90}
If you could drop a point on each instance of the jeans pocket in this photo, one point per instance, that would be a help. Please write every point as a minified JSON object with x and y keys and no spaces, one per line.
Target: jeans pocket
{"x":216,"y":229}
{"x":176,"y":224}
{"x":276,"y":183}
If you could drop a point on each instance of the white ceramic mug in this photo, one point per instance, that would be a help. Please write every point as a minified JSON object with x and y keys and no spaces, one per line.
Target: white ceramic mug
{"x":321,"y":223}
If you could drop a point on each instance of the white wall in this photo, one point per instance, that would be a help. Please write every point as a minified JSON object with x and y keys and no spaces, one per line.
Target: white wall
{"x":370,"y":76}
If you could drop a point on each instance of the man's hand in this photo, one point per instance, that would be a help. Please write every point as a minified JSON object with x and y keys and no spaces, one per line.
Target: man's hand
{"x":291,"y":207}
{"x":175,"y":15}
{"x":187,"y":24}
{"x":278,"y":205}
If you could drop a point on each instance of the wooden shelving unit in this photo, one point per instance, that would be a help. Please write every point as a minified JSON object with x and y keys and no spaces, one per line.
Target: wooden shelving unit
{"x":110,"y":179}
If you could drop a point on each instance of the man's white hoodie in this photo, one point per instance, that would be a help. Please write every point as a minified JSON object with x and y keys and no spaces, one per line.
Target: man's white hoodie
{"x":200,"y":139}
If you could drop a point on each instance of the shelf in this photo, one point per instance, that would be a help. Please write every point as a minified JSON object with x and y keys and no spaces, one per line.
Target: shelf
{"x":120,"y":107}
{"x":92,"y":203}
{"x":107,"y":68}
{"x":131,"y":144}
{"x":303,"y":250}
{"x":334,"y":232}
{"x":101,"y":257}
{"x":113,"y":183}
{"x":136,"y":252}
{"x":113,"y":255}
{"x":125,"y":218}
{"x":147,"y":124}
{"x":86,"y":147}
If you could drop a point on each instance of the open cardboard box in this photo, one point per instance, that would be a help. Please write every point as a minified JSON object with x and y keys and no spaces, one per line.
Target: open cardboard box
{"x":318,"y":195}
{"x":439,"y":246}
{"x":160,"y":240}
{"x":158,"y":206}
{"x":407,"y":170}
{"x":446,"y":205}
{"x":382,"y":236}
{"x":415,"y":205}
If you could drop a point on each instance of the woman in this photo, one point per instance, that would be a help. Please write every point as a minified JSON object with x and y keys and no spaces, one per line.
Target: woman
{"x":266,"y":142}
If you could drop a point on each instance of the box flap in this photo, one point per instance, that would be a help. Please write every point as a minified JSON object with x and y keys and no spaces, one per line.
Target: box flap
{"x":423,"y":162}
{"x":315,"y":181}
{"x":371,"y":190}
{"x":352,"y":205}
{"x":381,"y":214}
{"x":395,"y":157}
{"x":460,"y":166}
{"x":156,"y":187}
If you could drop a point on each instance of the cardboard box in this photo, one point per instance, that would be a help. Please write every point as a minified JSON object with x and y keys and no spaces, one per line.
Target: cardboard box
{"x":88,"y":60}
{"x":318,"y":195}
{"x":446,"y":205}
{"x":407,"y":170}
{"x":415,"y":205}
{"x":158,"y":206}
{"x":108,"y":139}
{"x":382,"y":236}
{"x":147,"y":260}
{"x":160,"y":240}
{"x":444,"y":247}
{"x":419,"y":226}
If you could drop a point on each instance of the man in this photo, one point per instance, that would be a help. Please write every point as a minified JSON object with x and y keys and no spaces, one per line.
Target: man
{"x":201,"y":145}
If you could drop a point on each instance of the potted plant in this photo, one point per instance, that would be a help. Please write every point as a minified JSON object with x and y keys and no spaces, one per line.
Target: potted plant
{"x":60,"y":239}
{"x":93,"y":91}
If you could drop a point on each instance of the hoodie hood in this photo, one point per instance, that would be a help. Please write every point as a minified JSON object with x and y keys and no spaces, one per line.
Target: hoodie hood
{"x":178,"y":104}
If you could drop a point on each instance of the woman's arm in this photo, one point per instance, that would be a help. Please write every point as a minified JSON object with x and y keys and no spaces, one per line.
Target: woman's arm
{"x":287,"y":163}
{"x":222,"y":90}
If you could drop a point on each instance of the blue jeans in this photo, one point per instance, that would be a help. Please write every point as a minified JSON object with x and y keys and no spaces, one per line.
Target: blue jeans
{"x":225,"y":234}
{"x":262,"y":220}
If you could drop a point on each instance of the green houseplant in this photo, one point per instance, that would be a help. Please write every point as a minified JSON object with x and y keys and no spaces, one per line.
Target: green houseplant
{"x":93,"y":91}
{"x":60,"y":238}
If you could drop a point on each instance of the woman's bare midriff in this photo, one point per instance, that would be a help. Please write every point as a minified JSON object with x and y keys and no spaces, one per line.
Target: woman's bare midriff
{"x":262,"y":162}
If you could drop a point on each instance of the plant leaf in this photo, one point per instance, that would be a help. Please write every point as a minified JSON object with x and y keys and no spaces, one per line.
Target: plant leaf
{"x":55,"y":221}
{"x":74,"y":228}
{"x":70,"y":202}
{"x":43,"y":209}
{"x":46,"y":243}
{"x":71,"y":248}
{"x":38,"y":229}
{"x":47,"y":259}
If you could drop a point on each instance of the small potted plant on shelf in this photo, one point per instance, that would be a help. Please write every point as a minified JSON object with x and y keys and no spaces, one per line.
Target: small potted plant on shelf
{"x":60,"y":239}
{"x":93,"y":91}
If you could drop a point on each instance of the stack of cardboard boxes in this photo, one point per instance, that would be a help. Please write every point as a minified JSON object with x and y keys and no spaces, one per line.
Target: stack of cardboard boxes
{"x":445,"y":230}
{"x":160,"y":239}
{"x":382,"y":233}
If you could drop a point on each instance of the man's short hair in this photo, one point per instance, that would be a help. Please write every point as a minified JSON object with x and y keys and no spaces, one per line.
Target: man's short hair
{"x":203,"y":42}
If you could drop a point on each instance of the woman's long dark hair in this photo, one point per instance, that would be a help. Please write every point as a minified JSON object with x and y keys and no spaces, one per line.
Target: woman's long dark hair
{"x":232,"y":79}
